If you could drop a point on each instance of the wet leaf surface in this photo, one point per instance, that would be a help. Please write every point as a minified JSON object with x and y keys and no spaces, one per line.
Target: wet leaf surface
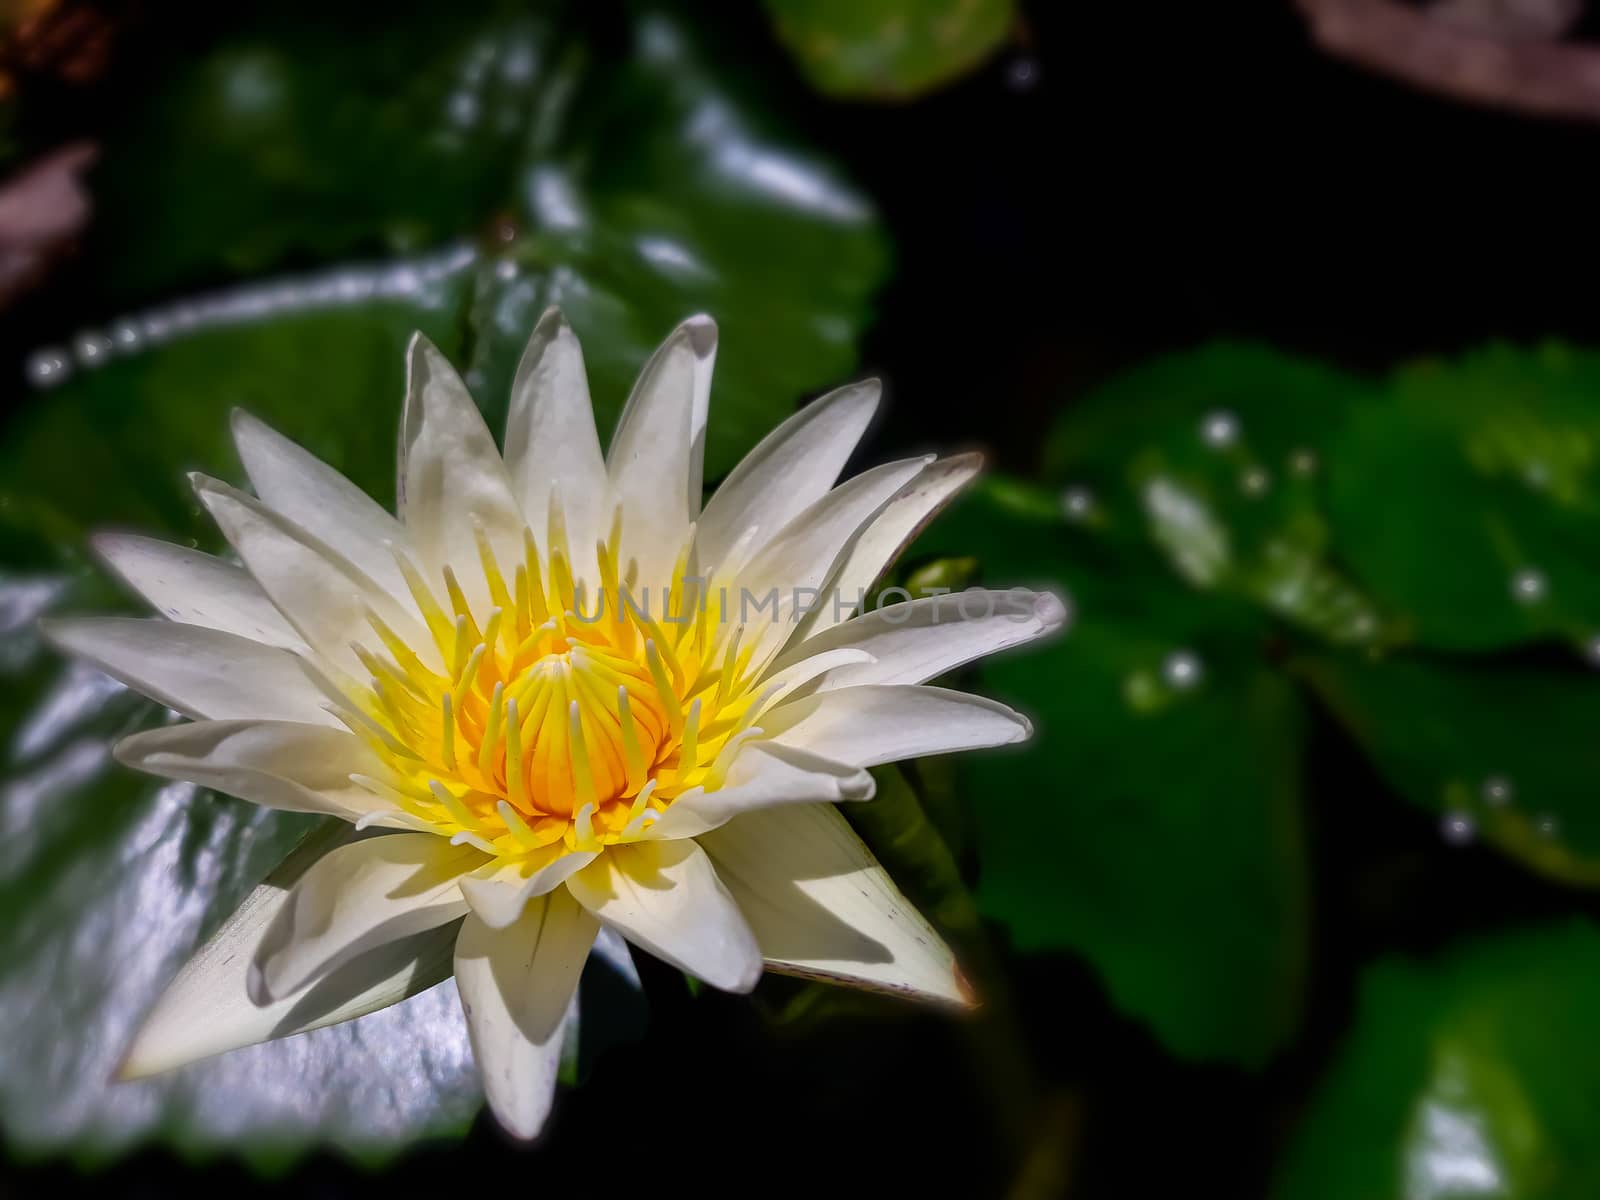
{"x":1467,"y":1075}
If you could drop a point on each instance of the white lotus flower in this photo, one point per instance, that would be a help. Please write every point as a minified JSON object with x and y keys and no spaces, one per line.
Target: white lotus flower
{"x":562,"y":697}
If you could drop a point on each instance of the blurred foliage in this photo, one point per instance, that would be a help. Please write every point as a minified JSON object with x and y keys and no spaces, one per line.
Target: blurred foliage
{"x":1251,"y":542}
{"x":475,"y":165}
{"x":1470,"y":1076}
{"x":889,"y":49}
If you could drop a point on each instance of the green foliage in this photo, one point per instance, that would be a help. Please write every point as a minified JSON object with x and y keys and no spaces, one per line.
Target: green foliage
{"x":889,"y":49}
{"x":1240,"y":531}
{"x":476,"y":165}
{"x":1469,"y":1075}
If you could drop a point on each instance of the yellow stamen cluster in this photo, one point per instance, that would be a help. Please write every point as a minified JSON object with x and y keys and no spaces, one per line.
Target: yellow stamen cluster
{"x":570,"y":718}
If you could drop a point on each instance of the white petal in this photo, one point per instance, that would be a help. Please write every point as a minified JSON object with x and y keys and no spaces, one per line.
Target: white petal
{"x":763,"y":775}
{"x":277,"y":764}
{"x":651,"y":463}
{"x":451,"y":473}
{"x":320,"y":592}
{"x":918,"y":640}
{"x":890,"y":532}
{"x":200,"y":672}
{"x":187,"y":586}
{"x":516,"y":985}
{"x":499,"y":890}
{"x":866,"y":726}
{"x":823,"y":908}
{"x":207,"y":1008}
{"x":358,"y":897}
{"x":666,"y":898}
{"x":799,"y":561}
{"x":551,"y":439}
{"x":293,"y":481}
{"x":792,"y":468}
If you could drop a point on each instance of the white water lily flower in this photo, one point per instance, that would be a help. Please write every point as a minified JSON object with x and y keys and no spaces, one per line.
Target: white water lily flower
{"x":560,"y":697}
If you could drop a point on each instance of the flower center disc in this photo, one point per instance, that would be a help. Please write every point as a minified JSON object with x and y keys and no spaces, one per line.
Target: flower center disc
{"x":565,"y":717}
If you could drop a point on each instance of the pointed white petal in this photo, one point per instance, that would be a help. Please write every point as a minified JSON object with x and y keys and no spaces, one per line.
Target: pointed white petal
{"x":293,"y":481}
{"x":358,"y":897}
{"x":192,"y":588}
{"x":890,"y":532}
{"x":277,"y":764}
{"x":822,"y":907}
{"x":207,"y":1008}
{"x":201,"y":673}
{"x":516,"y":985}
{"x":798,"y":563}
{"x":318,"y":591}
{"x":792,"y":468}
{"x":869,"y":725}
{"x":763,"y":775}
{"x":551,"y":439}
{"x":451,"y":474}
{"x":499,"y":890}
{"x":918,"y":640}
{"x":666,"y":898}
{"x":651,"y":463}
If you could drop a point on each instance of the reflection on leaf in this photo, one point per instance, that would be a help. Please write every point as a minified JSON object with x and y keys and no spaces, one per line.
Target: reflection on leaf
{"x":1466,"y":1076}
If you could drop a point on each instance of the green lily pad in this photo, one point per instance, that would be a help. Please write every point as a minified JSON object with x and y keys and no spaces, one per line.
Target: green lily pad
{"x":290,"y":140}
{"x":1217,"y":457}
{"x":1153,"y":825}
{"x":889,"y":49}
{"x":1467,"y":497}
{"x":1467,"y":1076}
{"x":1500,"y":751}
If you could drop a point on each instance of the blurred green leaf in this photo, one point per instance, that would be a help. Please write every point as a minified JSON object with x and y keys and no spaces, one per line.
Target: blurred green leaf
{"x":321,"y":358}
{"x":107,"y":882}
{"x":889,"y":49}
{"x":1154,"y":824}
{"x":280,"y":141}
{"x":1467,"y":497}
{"x":1469,"y":1075}
{"x":1461,"y":738}
{"x":1217,"y":456}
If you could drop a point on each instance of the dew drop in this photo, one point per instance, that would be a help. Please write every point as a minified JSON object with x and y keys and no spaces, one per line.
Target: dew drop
{"x":1255,"y":482}
{"x":1220,"y":429}
{"x":1077,"y":502}
{"x":1546,"y":826}
{"x":1497,"y":791}
{"x":1022,"y":74}
{"x":91,"y":348}
{"x":1303,"y":463}
{"x":125,"y":335}
{"x":1528,"y":586}
{"x":1457,"y":828}
{"x":47,"y":368}
{"x":1182,"y":669}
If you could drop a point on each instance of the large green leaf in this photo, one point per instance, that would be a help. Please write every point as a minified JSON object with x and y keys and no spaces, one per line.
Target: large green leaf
{"x":631,"y":187}
{"x":1154,"y":824}
{"x":1217,"y":456}
{"x":889,"y":49}
{"x":309,"y":133}
{"x":1502,"y":751}
{"x":108,"y":881}
{"x":1470,"y":1075}
{"x":1467,"y":497}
